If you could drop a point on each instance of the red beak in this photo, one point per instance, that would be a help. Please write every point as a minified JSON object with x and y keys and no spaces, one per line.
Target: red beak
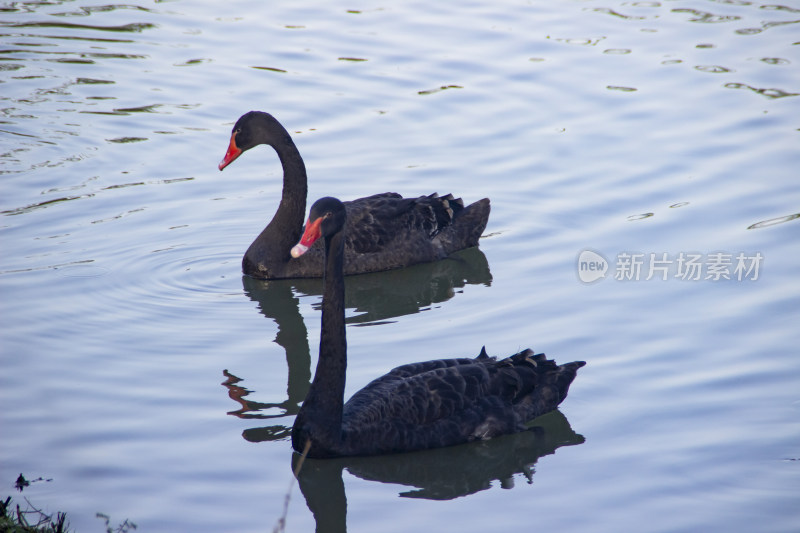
{"x":310,"y":236}
{"x":232,"y":153}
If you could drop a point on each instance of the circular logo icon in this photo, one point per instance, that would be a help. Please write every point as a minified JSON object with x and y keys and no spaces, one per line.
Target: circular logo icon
{"x":591,"y":266}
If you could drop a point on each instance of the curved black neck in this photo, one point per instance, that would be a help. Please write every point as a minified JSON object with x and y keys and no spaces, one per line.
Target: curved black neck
{"x":287,"y":225}
{"x":321,"y":412}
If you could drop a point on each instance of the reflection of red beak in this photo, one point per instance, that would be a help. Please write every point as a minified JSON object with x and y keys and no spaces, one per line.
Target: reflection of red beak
{"x":309,"y":237}
{"x":232,"y":153}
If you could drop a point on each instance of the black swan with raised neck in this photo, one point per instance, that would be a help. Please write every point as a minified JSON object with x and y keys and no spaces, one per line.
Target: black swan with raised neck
{"x":384,"y":231}
{"x":416,"y":406}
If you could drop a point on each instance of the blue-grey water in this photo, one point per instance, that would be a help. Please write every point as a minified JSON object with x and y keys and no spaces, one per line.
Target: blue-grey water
{"x":143,"y":378}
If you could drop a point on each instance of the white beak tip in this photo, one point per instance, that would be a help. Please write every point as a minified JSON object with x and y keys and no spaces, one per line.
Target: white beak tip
{"x":299,"y":250}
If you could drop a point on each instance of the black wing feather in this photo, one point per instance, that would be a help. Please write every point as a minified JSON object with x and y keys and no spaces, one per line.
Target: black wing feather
{"x":451,"y":401}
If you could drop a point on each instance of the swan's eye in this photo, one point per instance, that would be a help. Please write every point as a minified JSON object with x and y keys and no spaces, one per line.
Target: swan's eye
{"x":237,"y":131}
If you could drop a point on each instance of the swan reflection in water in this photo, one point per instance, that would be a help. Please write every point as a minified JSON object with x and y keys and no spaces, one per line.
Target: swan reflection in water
{"x":438,"y":474}
{"x":373,"y":299}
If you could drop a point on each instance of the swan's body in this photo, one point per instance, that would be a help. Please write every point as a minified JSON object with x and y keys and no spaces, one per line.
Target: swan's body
{"x":384,"y":231}
{"x":416,"y":406}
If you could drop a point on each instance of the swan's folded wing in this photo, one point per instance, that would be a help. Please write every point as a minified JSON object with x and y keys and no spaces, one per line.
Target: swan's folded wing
{"x":382,"y":220}
{"x":442,"y":403}
{"x":422,"y":393}
{"x":384,"y":384}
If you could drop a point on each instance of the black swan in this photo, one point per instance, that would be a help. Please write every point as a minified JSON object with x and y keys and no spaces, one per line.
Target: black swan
{"x":384,"y":231}
{"x":415,"y":406}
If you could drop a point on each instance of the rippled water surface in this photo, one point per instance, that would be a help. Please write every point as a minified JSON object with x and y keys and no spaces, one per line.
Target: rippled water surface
{"x":145,"y":379}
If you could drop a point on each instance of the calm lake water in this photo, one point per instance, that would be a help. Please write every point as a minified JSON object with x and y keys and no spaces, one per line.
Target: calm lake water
{"x":652,"y":143}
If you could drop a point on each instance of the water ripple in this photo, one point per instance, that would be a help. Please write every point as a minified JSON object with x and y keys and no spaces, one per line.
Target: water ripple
{"x":765,"y":26}
{"x":55,"y":201}
{"x":773,"y":221}
{"x":133,"y":27}
{"x":82,"y":269}
{"x":775,"y":61}
{"x":439,"y":89}
{"x":706,"y":17}
{"x":92,"y":81}
{"x":272,"y":69}
{"x":182,"y":272}
{"x":39,"y":205}
{"x":608,"y":11}
{"x":588,"y":41}
{"x":192,"y":62}
{"x":774,"y":7}
{"x":71,"y":38}
{"x":87,"y":11}
{"x":81,"y":263}
{"x":769,"y":93}
{"x":714,"y":69}
{"x":124,"y":140}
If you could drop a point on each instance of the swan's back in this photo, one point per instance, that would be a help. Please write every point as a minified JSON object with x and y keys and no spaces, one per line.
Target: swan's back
{"x":388,"y":221}
{"x":452,"y":401}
